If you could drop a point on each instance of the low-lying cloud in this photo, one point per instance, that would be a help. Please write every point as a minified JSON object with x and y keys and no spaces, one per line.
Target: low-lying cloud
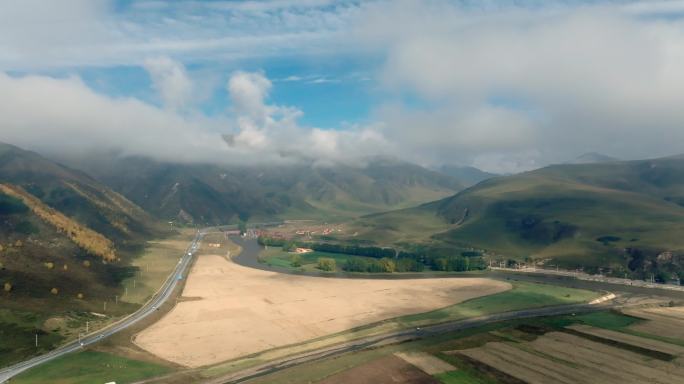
{"x":66,"y":117}
{"x":504,"y":85}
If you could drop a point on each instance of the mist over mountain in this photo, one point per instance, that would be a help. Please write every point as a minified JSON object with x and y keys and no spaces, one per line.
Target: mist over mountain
{"x":214,"y":194}
{"x":467,"y":175}
{"x":592,"y":157}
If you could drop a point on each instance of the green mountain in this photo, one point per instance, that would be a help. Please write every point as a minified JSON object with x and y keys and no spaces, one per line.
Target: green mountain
{"x":469,"y":176}
{"x":625,"y":216}
{"x":61,"y":229}
{"x":212,"y":194}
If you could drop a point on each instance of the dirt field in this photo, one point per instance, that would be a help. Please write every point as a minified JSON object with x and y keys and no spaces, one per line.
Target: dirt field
{"x":386,"y":370}
{"x":654,"y":345}
{"x":244,"y":310}
{"x":563,"y":358}
{"x":666,"y":322}
{"x":426,"y":362}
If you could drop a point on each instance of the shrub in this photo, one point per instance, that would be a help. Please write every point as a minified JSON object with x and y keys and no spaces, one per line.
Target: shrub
{"x":296,"y":260}
{"x":54,"y":291}
{"x":8,"y":286}
{"x":79,"y":296}
{"x":49,"y":265}
{"x":326,"y":264}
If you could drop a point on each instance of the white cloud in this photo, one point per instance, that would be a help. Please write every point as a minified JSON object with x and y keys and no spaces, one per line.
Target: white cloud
{"x":65,"y":116}
{"x":551,"y":81}
{"x":171,"y":81}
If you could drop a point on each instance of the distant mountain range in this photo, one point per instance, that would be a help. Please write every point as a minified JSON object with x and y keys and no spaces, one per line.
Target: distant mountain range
{"x":213,"y":194}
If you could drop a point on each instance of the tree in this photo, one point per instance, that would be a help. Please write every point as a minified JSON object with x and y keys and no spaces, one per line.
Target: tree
{"x":326,"y":264}
{"x":49,"y":265}
{"x":387,"y":265}
{"x":242,"y":226}
{"x":295,"y":260}
{"x":79,"y":296}
{"x":86,"y":263}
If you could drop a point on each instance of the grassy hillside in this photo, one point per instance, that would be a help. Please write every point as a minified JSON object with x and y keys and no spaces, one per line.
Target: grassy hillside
{"x":211,"y":194}
{"x":66,"y":244}
{"x":626,"y":216}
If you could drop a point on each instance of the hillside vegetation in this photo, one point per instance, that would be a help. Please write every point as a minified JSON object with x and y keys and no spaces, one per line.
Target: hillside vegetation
{"x":91,"y":241}
{"x":66,"y":245}
{"x":624,"y":217}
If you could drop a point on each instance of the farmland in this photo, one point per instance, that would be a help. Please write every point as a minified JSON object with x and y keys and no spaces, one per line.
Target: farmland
{"x":236,"y":310}
{"x":541,"y":350}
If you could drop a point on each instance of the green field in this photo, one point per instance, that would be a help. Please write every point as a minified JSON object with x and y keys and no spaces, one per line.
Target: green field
{"x":90,"y":367}
{"x":278,"y":258}
{"x":523,"y":295}
{"x":18,"y":330}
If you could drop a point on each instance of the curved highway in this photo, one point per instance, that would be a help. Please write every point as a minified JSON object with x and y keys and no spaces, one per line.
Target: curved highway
{"x":149,"y":308}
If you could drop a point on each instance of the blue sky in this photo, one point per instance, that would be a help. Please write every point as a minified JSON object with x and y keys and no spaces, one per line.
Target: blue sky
{"x":503,"y":85}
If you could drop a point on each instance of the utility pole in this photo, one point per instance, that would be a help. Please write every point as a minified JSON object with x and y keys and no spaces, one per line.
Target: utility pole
{"x":116,"y":299}
{"x":36,"y":340}
{"x":87,"y":327}
{"x":134,"y":283}
{"x":126,"y":291}
{"x":105,"y":306}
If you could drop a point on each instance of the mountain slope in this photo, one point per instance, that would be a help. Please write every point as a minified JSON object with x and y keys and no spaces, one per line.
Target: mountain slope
{"x":62,"y":234}
{"x":626,"y":216}
{"x":212,"y":194}
{"x":468,"y":176}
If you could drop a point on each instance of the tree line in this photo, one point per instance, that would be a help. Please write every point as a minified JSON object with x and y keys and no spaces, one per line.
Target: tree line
{"x":387,"y":260}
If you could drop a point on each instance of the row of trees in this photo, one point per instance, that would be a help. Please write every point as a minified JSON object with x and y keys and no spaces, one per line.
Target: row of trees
{"x":377,"y":259}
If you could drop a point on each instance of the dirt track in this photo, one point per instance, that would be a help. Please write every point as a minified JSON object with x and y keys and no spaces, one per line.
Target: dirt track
{"x":244,"y":310}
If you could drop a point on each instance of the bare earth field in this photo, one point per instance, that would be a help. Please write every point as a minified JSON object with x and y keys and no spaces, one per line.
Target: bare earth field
{"x":624,"y":338}
{"x":426,"y":362}
{"x":386,"y":370}
{"x":666,"y":322}
{"x":559,"y":357}
{"x":244,"y":310}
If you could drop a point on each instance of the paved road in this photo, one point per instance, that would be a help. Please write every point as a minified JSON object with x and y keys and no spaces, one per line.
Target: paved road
{"x":158,"y":299}
{"x":398,"y":336}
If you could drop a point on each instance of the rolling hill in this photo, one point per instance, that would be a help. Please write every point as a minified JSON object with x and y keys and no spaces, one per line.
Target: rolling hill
{"x":213,"y":194}
{"x":625,"y":216}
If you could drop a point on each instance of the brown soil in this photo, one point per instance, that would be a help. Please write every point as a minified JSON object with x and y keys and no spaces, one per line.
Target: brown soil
{"x":386,"y":370}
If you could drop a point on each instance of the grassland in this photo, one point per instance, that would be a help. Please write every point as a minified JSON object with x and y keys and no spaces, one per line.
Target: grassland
{"x":90,"y":367}
{"x":524,"y":295}
{"x":154,"y":265}
{"x":308,"y":261}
